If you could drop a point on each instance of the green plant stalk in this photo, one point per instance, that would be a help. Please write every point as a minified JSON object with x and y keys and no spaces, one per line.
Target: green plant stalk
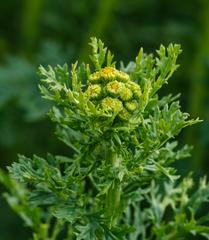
{"x":42,"y":232}
{"x":57,"y":228}
{"x":113,"y":196}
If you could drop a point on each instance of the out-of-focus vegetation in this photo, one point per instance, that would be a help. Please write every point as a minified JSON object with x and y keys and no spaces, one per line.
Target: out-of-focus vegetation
{"x":50,"y":32}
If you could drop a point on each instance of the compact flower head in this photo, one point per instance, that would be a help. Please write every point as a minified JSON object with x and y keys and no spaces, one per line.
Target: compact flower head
{"x":117,"y":92}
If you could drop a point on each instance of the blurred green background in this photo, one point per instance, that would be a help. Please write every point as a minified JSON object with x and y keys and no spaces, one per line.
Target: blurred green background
{"x":34,"y":32}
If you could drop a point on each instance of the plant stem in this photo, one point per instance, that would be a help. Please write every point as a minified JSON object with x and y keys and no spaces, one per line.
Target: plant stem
{"x":42,"y":232}
{"x":113,"y":197}
{"x":56,"y":230}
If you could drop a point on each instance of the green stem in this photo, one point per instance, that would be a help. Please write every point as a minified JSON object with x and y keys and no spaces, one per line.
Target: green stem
{"x":56,"y":230}
{"x":70,"y":233}
{"x":42,"y":232}
{"x":113,"y":196}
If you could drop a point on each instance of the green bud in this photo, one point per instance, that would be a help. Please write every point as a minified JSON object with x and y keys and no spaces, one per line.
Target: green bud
{"x":94,"y":91}
{"x":123,"y":77}
{"x":135,"y":88}
{"x":124,"y":115}
{"x":111,"y":104}
{"x":126,"y":94}
{"x":95,"y":78}
{"x":114,"y":88}
{"x":108,"y":74}
{"x":131,"y":106}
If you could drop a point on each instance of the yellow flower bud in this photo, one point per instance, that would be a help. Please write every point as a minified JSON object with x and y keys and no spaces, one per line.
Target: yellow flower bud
{"x":94,"y":91}
{"x":126,"y":94}
{"x":114,"y":88}
{"x":108,"y":74}
{"x":135,"y":88}
{"x":122,"y":76}
{"x":111,"y":104}
{"x":95,"y":78}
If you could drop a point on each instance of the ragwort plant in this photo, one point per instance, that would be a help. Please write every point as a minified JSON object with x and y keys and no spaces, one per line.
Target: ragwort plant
{"x":118,"y":182}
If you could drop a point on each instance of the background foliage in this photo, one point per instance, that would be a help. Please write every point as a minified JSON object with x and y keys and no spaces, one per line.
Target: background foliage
{"x":49,"y":32}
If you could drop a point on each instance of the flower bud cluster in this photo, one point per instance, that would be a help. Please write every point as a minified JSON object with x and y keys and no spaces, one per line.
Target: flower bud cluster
{"x":113,"y":91}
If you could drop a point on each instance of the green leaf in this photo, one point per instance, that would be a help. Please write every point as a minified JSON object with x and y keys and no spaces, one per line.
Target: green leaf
{"x":98,"y":53}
